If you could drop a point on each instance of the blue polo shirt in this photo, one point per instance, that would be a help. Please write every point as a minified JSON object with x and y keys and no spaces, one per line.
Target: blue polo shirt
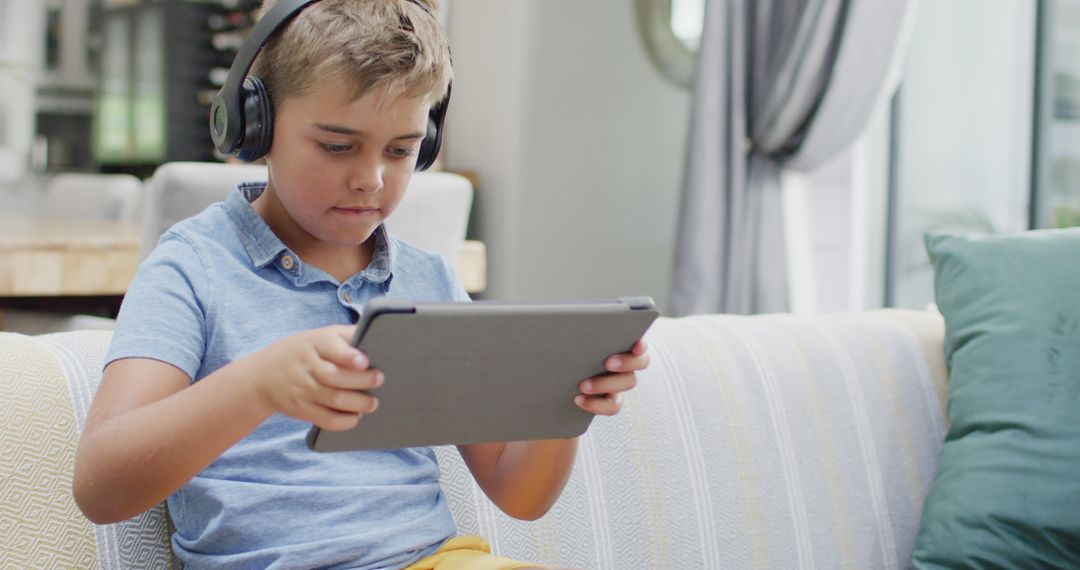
{"x":221,"y":285}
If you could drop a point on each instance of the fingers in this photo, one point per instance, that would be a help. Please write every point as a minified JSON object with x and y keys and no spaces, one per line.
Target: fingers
{"x":327,"y":418}
{"x":348,"y":401}
{"x":336,"y":346}
{"x":341,"y":375}
{"x":344,"y":390}
{"x":337,"y":364}
{"x":313,"y":401}
{"x":609,"y":384}
{"x":602,"y":395}
{"x":627,"y":362}
{"x":606,"y":405}
{"x":319,"y":376}
{"x":332,"y":376}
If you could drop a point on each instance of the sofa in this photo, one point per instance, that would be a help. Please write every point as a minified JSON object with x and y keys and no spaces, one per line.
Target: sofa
{"x":771,"y":441}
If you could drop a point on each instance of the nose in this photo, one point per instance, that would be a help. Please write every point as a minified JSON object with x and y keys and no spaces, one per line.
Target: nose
{"x":367,"y":176}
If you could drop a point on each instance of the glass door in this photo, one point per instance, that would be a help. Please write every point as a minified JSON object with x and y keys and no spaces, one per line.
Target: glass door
{"x":962,"y":133}
{"x":1056,"y":196}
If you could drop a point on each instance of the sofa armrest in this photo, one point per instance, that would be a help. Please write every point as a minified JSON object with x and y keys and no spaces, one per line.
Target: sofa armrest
{"x":42,"y":527}
{"x":48,"y":383}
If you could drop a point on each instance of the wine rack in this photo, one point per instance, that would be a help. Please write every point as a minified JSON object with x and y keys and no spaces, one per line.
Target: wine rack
{"x":162,"y":63}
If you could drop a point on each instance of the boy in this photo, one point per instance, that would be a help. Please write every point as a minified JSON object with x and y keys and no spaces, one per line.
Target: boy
{"x":235,"y":335}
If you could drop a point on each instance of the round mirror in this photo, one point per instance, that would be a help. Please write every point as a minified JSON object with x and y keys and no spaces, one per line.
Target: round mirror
{"x":671,"y":30}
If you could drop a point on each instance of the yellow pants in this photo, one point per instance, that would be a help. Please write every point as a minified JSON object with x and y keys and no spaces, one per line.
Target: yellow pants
{"x":467,"y":553}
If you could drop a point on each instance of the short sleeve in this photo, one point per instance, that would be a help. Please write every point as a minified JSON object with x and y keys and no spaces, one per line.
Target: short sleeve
{"x":163,"y":315}
{"x":460,"y":295}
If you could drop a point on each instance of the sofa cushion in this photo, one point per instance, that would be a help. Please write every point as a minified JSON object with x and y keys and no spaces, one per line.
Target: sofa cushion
{"x":1008,"y":485}
{"x":774,"y":441}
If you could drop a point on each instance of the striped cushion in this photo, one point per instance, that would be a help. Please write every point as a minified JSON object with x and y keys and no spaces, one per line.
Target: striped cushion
{"x":769,"y":441}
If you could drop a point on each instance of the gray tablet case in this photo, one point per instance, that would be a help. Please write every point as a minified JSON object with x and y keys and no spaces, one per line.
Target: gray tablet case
{"x":485,"y":371}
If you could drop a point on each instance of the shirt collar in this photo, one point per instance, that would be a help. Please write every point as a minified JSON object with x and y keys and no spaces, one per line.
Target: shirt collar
{"x":263,"y":246}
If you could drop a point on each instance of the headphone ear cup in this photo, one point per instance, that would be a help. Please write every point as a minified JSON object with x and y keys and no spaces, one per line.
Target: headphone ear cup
{"x":429,"y":147}
{"x":258,"y":121}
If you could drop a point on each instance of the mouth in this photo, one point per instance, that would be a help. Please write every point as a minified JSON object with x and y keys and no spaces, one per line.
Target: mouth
{"x":356,"y":210}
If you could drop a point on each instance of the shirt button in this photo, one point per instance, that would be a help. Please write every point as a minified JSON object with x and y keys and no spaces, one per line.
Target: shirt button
{"x":287,"y":262}
{"x":347,"y":297}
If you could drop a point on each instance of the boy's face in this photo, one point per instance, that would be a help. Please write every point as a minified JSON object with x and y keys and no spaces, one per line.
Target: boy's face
{"x":339,"y":166}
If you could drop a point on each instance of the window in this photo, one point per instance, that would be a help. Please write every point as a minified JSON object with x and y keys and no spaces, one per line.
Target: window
{"x":687,"y":18}
{"x":1056,"y":192}
{"x":963,"y":132}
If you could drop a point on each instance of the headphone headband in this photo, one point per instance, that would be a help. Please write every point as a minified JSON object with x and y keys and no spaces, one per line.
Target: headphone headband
{"x":225,"y":126}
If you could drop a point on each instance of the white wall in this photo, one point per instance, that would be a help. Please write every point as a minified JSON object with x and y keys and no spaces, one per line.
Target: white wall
{"x":578,"y":142}
{"x":965,"y":128}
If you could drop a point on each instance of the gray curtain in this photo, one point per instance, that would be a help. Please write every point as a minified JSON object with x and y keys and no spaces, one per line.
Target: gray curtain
{"x":779,"y":84}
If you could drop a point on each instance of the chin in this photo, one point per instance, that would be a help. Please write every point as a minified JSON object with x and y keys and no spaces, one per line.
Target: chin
{"x":342,"y":233}
{"x":349,"y":240}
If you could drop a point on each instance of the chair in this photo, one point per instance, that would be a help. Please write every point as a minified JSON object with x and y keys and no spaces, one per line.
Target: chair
{"x":433,"y":215}
{"x":99,"y":197}
{"x":179,"y":190}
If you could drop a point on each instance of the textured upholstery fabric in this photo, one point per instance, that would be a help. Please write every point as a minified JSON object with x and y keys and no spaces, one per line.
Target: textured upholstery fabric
{"x":141,"y":542}
{"x":771,"y":441}
{"x":40,"y":526}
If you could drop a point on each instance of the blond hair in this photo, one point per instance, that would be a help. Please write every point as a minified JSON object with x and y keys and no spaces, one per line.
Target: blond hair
{"x":397,"y":46}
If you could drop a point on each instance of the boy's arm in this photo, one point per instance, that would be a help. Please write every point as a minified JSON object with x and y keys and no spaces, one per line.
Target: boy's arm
{"x":150,"y":430}
{"x":525,"y":478}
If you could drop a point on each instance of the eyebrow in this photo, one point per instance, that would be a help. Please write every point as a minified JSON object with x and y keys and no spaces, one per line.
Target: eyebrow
{"x":338,"y":129}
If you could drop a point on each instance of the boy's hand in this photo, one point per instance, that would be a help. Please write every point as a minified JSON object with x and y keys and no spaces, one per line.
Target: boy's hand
{"x":319,"y":377}
{"x":602,"y":395}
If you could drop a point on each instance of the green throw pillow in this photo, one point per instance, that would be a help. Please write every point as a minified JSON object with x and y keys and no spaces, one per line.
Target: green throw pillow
{"x":1007,"y":491}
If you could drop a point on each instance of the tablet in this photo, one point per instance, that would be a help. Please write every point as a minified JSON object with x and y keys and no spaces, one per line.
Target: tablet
{"x":486,"y":371}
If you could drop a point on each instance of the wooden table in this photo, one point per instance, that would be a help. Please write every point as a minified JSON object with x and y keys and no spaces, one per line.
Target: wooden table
{"x":65,"y":258}
{"x":472,"y":266}
{"x":55,"y":258}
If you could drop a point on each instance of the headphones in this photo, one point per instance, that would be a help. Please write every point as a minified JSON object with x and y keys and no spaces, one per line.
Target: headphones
{"x":242,"y":116}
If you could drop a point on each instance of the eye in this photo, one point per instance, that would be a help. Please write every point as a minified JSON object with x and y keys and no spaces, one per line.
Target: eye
{"x":334,"y":148}
{"x":402,"y":152}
